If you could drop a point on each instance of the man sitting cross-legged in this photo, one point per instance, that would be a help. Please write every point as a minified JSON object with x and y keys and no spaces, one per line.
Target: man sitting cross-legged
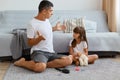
{"x":40,"y":37}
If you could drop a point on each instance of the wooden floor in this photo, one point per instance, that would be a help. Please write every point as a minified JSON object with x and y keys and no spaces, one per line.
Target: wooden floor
{"x":4,"y":66}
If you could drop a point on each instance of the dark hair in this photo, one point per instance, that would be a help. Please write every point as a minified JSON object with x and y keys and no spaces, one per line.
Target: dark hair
{"x":44,"y":4}
{"x":80,"y":30}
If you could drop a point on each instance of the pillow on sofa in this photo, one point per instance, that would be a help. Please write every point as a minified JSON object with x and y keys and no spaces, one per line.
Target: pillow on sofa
{"x":90,"y":26}
{"x":72,"y":23}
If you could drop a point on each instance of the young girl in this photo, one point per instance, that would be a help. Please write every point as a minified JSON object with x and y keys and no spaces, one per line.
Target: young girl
{"x":79,"y":45}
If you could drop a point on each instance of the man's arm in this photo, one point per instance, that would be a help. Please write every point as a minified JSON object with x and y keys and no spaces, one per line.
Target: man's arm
{"x":34,"y":41}
{"x":58,"y":27}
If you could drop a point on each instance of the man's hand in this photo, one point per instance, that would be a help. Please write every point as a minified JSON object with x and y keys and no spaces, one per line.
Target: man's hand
{"x":34,"y":41}
{"x":60,"y":27}
{"x":40,"y":36}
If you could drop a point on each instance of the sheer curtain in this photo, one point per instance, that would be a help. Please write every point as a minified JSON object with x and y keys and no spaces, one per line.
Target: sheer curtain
{"x":110,"y":7}
{"x":118,"y":16}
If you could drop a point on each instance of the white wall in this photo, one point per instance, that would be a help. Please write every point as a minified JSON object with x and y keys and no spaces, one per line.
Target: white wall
{"x":58,"y":4}
{"x":18,"y":4}
{"x":77,"y":4}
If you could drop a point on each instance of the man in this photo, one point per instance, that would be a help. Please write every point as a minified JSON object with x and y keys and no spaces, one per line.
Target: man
{"x":40,"y":37}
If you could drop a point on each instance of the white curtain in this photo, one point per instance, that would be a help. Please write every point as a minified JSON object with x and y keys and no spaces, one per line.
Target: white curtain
{"x":118,"y":14}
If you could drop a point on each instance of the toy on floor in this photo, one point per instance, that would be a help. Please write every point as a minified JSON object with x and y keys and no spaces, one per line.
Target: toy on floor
{"x":77,"y":68}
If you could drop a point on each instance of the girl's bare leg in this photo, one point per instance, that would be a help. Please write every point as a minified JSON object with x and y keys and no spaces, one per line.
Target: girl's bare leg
{"x":92,"y":58}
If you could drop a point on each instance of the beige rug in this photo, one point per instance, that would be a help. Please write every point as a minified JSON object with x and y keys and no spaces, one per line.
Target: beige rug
{"x":103,"y":69}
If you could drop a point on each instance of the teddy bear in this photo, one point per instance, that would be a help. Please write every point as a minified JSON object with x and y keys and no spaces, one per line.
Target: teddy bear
{"x":80,"y":59}
{"x":83,"y":59}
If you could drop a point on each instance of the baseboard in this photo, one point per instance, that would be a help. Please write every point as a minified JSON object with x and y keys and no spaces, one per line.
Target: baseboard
{"x":100,"y":53}
{"x":105,"y":53}
{"x":6,"y":58}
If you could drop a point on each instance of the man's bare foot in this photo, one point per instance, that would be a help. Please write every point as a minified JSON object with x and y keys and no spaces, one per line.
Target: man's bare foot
{"x":71,"y":57}
{"x":19,"y":62}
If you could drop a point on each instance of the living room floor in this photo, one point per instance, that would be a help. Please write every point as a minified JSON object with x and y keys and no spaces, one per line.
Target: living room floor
{"x":4,"y":66}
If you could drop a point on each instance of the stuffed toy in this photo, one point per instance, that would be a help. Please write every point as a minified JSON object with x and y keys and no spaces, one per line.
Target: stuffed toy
{"x":83,"y":59}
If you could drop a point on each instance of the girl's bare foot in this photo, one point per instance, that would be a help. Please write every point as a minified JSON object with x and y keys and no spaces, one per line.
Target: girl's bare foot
{"x":91,"y":62}
{"x":19,"y":62}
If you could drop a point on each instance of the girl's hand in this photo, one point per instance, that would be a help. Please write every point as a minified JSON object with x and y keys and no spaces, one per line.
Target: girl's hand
{"x":78,"y":54}
{"x":75,"y":55}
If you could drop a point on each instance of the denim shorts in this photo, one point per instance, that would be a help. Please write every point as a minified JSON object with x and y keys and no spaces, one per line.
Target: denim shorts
{"x":42,"y":56}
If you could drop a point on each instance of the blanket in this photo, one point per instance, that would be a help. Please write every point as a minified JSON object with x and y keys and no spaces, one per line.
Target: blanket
{"x":19,"y":43}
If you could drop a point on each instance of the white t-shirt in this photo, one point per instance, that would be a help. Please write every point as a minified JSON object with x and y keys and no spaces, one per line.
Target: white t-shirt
{"x":79,"y":47}
{"x":45,"y":29}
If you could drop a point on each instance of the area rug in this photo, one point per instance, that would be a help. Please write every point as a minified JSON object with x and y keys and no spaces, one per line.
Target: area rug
{"x":102,"y":69}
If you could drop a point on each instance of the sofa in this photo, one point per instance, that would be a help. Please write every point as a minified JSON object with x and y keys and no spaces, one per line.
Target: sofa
{"x":101,"y":40}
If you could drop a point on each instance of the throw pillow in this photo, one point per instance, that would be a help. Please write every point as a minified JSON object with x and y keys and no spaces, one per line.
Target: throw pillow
{"x":72,"y":23}
{"x":90,"y":26}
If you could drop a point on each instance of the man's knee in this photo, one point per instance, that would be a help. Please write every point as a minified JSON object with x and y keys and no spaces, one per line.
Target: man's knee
{"x":40,"y":67}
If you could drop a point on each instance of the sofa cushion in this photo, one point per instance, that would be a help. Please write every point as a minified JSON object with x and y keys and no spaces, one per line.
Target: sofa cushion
{"x":61,"y":42}
{"x":20,"y":18}
{"x":5,"y":42}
